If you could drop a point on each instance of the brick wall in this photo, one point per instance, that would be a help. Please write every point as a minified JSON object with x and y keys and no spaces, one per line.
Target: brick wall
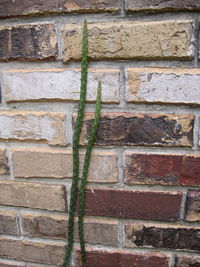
{"x":143,"y":195}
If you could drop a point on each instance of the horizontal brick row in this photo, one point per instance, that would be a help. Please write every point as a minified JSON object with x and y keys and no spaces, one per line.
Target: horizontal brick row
{"x":118,"y":258}
{"x":125,"y":40}
{"x":8,"y":222}
{"x":49,"y":163}
{"x":153,"y":85}
{"x":33,"y":126}
{"x":4,"y":168}
{"x":59,"y":85}
{"x":104,"y":232}
{"x":163,"y":169}
{"x":28,"y":42}
{"x":9,"y":8}
{"x":140,"y":129}
{"x":8,"y":263}
{"x":160,"y":5}
{"x":33,"y":195}
{"x":162,"y":236}
{"x":121,"y":203}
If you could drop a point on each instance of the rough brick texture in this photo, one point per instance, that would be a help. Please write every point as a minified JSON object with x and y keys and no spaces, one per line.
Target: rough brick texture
{"x":193,"y":206}
{"x":9,"y":8}
{"x":163,"y":169}
{"x":163,"y":86}
{"x":131,"y":129}
{"x":131,"y":204}
{"x":162,"y":236}
{"x":160,"y":5}
{"x":48,"y":163}
{"x":118,"y":258}
{"x":59,"y":85}
{"x":7,"y":263}
{"x":28,"y":42}
{"x":125,"y":40}
{"x":33,"y":126}
{"x":31,"y":251}
{"x":33,"y":195}
{"x":187,"y":261}
{"x":4,"y":168}
{"x":8,"y":222}
{"x":103,"y":232}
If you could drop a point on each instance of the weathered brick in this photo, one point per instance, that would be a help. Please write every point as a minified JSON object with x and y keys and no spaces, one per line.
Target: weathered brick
{"x":193,"y":206}
{"x":55,"y":227}
{"x":160,"y":5}
{"x":7,"y":263}
{"x":9,"y":8}
{"x":59,"y":85}
{"x":118,"y":258}
{"x":46,"y":127}
{"x":28,"y":42}
{"x":140,"y":129}
{"x":125,"y":40}
{"x":164,"y":169}
{"x":31,"y":251}
{"x":162,"y":236}
{"x":187,"y":261}
{"x":4,"y":168}
{"x":33,"y":195}
{"x":120,"y":203}
{"x":8,"y":222}
{"x":150,"y":85}
{"x":43,"y":163}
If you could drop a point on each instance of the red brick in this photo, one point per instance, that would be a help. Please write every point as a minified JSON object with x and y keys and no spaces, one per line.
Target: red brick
{"x":164,"y":169}
{"x":119,"y":258}
{"x":193,"y":206}
{"x":141,"y":129}
{"x":131,"y":204}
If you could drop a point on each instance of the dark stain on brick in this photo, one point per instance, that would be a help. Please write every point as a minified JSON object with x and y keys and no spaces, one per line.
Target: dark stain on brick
{"x":169,"y":238}
{"x":187,"y":261}
{"x":193,"y":206}
{"x":139,"y":131}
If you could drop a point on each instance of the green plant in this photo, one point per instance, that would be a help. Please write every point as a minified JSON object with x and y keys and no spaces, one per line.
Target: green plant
{"x":76,"y":138}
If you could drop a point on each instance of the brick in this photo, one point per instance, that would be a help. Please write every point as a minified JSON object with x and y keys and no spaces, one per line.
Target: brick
{"x":43,"y":163}
{"x":46,"y":127}
{"x":151,"y":85}
{"x":162,"y":169}
{"x":7,"y":263}
{"x":162,"y":236}
{"x":48,"y":253}
{"x":131,"y":204}
{"x":33,"y":195}
{"x":55,"y":227}
{"x":4,"y":168}
{"x":59,"y":85}
{"x":160,"y":5}
{"x":125,"y":40}
{"x":187,"y":261}
{"x":118,"y":258}
{"x":28,"y":42}
{"x":9,"y":8}
{"x":140,"y":129}
{"x":8,"y":222}
{"x":193,"y":206}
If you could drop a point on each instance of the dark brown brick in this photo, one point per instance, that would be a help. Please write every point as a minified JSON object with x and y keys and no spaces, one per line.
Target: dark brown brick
{"x":28,"y":42}
{"x":4,"y":168}
{"x":145,"y":205}
{"x":161,"y":236}
{"x":147,"y":168}
{"x":10,"y":8}
{"x":187,"y":261}
{"x":8,"y":222}
{"x":119,"y":258}
{"x":20,"y":250}
{"x":193,"y":206}
{"x":160,"y":5}
{"x":141,"y":129}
